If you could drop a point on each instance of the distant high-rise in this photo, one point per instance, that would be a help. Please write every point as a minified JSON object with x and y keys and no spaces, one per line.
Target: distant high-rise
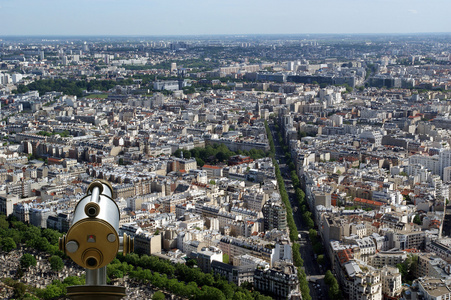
{"x":173,"y":67}
{"x":107,"y":59}
{"x":41,"y":55}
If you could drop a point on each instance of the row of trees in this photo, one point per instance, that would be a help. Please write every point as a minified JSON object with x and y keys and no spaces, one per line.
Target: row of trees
{"x":334,"y":288}
{"x":180,"y":279}
{"x":216,"y":153}
{"x":297,"y":259}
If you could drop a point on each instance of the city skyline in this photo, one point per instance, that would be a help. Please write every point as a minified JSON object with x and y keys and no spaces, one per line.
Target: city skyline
{"x":257,"y":166}
{"x":144,"y":18}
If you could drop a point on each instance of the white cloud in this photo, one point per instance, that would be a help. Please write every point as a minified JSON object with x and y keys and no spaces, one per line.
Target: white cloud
{"x":413,"y":11}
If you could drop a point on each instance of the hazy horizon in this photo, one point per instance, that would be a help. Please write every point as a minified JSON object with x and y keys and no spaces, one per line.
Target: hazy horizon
{"x":201,"y":17}
{"x":224,"y":35}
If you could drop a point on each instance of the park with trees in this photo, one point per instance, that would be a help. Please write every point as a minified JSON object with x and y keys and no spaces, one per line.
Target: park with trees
{"x":216,"y":153}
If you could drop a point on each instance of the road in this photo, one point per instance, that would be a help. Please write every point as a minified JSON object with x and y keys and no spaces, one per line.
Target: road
{"x":315,"y":273}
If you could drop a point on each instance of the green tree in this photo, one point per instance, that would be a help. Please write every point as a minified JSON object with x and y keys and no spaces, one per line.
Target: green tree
{"x":186,"y":154}
{"x":313,"y":235}
{"x":334,"y":291}
{"x":298,"y":261}
{"x":8,"y":244}
{"x":408,"y":268}
{"x":308,"y":221}
{"x":158,"y":296}
{"x":192,"y":262}
{"x":178,"y":153}
{"x":328,"y":277}
{"x":318,"y":248}
{"x":116,"y":273}
{"x":27,"y":260}
{"x":417,"y":220}
{"x":200,"y":162}
{"x":51,"y":235}
{"x":73,"y":280}
{"x":212,"y":293}
{"x":27,"y":296}
{"x":52,"y":292}
{"x":3,"y":222}
{"x":221,"y":156}
{"x":56,"y":263}
{"x":19,"y":290}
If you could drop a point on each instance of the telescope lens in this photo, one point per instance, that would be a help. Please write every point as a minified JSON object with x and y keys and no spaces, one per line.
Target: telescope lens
{"x":91,"y":262}
{"x":91,"y":211}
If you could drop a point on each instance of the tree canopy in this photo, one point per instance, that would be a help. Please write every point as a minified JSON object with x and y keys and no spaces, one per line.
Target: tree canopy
{"x":27,"y":260}
{"x":217,"y":153}
{"x":56,"y":263}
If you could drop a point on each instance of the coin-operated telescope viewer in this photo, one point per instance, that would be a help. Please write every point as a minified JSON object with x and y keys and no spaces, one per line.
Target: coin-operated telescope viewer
{"x":93,"y":242}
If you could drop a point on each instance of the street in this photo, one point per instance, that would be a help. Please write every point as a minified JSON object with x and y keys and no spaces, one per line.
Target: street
{"x":315,"y":273}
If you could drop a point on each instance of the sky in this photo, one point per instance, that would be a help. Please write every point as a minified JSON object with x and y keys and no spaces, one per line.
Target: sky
{"x":205,"y":17}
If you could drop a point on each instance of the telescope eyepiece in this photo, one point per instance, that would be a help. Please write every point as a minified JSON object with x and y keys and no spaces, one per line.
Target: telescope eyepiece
{"x":92,"y":209}
{"x":92,"y":258}
{"x":91,"y":262}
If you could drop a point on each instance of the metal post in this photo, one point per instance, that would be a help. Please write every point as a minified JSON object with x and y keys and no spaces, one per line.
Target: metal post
{"x":96,"y":288}
{"x":96,"y":277}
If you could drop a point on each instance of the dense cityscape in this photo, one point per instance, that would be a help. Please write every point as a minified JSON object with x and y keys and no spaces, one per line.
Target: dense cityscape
{"x":244,"y":166}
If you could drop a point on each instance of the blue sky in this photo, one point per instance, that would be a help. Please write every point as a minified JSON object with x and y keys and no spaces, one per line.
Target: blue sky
{"x":193,"y":17}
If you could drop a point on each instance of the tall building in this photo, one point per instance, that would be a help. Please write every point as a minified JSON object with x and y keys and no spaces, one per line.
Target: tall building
{"x":275,"y":215}
{"x":173,"y":67}
{"x":445,"y":160}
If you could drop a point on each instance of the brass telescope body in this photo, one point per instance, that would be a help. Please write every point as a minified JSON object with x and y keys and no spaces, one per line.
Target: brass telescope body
{"x":93,"y":241}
